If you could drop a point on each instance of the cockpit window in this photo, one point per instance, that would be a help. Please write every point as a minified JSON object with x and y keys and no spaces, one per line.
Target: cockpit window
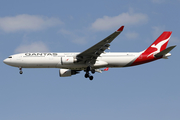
{"x":10,"y":57}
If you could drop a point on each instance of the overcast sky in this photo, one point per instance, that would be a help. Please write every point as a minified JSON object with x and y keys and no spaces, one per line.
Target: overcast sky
{"x":146,"y":92}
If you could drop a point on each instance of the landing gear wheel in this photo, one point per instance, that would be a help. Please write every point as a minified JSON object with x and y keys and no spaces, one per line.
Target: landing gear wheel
{"x":93,"y":71}
{"x":90,"y":77}
{"x":21,"y":72}
{"x":86,"y":75}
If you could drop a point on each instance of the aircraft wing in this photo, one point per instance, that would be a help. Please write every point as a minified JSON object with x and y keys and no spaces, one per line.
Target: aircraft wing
{"x":90,"y":55}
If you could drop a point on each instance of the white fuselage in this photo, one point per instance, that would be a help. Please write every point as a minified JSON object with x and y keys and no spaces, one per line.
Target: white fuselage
{"x":92,"y":58}
{"x":67,"y":60}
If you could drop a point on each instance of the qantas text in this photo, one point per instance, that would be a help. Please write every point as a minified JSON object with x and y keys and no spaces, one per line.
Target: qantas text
{"x":41,"y":54}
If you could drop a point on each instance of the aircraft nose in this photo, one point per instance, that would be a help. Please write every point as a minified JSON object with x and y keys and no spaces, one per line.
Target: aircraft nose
{"x":6,"y":61}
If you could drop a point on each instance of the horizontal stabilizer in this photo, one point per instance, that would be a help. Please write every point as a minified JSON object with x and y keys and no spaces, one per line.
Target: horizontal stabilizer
{"x":164,"y":52}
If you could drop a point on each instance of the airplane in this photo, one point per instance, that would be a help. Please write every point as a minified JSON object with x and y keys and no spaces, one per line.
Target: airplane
{"x":93,"y":59}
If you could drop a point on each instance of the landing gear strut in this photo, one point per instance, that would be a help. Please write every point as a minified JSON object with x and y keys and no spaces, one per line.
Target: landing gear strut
{"x":88,"y":75}
{"x":21,"y":72}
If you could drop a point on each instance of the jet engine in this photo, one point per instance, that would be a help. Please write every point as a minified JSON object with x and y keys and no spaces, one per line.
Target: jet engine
{"x":67,"y":72}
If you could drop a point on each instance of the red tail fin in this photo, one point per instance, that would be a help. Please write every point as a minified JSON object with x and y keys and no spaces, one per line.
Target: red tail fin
{"x":158,"y":45}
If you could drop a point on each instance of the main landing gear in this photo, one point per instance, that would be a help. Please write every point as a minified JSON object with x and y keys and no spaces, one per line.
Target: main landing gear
{"x":88,"y":75}
{"x":21,"y":72}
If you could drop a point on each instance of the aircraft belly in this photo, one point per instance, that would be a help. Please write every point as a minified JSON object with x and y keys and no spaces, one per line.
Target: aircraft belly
{"x":73,"y":66}
{"x":118,"y":61}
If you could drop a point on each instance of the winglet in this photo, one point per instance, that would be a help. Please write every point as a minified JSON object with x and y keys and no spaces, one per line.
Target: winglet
{"x":106,"y":69}
{"x":120,"y":29}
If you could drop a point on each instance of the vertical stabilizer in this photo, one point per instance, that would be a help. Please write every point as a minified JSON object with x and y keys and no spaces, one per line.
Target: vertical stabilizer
{"x":158,"y":45}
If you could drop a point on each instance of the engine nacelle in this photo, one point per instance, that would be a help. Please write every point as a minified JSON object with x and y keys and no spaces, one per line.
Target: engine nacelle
{"x":67,"y":72}
{"x":67,"y":60}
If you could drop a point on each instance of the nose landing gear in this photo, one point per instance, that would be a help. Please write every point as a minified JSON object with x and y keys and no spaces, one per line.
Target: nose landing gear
{"x":21,"y":72}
